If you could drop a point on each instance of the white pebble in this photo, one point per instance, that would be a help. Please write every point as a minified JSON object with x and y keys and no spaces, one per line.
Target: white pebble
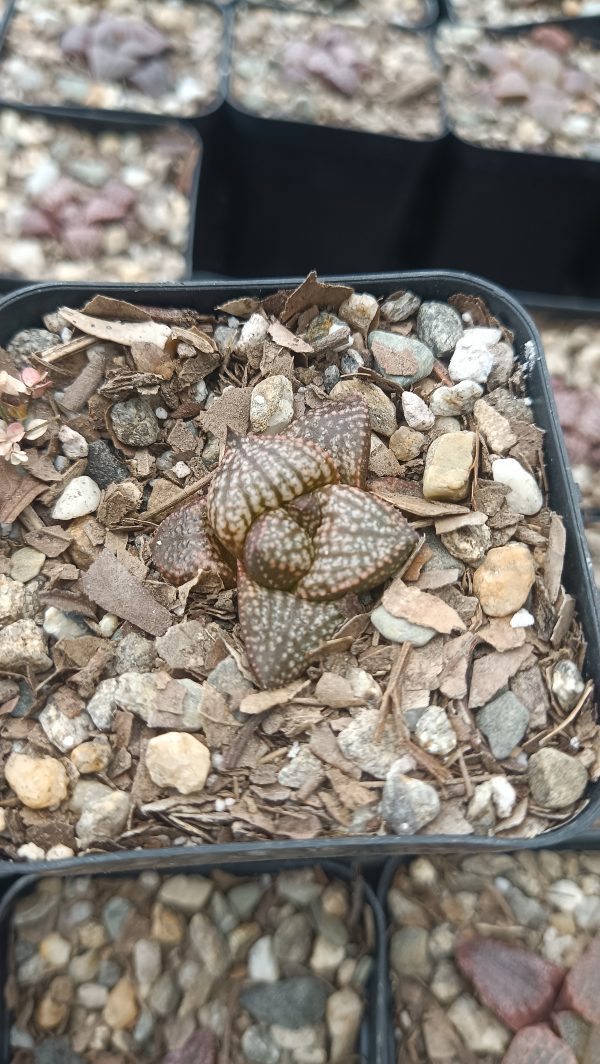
{"x":460,"y":399}
{"x":564,"y":895}
{"x":61,"y":626}
{"x":59,"y":852}
{"x":416,"y":412}
{"x":253,"y":334}
{"x":74,"y":445}
{"x":181,"y":470}
{"x":472,"y":359}
{"x":108,"y":625}
{"x":30,"y":852}
{"x":262,"y":962}
{"x":504,"y":796}
{"x":82,"y":496}
{"x":161,"y":413}
{"x":524,"y":496}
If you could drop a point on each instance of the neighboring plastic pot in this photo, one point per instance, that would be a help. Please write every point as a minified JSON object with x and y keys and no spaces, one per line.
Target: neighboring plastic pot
{"x":374,"y":1035}
{"x":530,"y":222}
{"x":304,"y":194}
{"x":25,"y":309}
{"x":113,"y":123}
{"x":587,"y":22}
{"x":311,"y":7}
{"x":205,"y":121}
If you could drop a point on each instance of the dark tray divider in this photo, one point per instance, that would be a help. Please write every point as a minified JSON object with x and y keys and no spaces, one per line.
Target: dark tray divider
{"x":24,"y":309}
{"x":527,"y":221}
{"x":111,"y":122}
{"x":205,"y":122}
{"x":374,"y":1035}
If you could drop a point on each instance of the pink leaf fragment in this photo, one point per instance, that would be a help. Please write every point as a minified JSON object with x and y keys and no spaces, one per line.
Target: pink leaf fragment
{"x":518,"y":986}
{"x":581,"y":990}
{"x":537,"y":1045}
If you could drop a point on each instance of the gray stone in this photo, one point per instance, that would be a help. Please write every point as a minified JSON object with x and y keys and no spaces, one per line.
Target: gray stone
{"x":439,"y":326}
{"x":434,"y":732}
{"x":22,"y":647}
{"x":164,"y":996}
{"x":258,"y":1047}
{"x":146,"y":964}
{"x":104,"y":818}
{"x":397,"y":630}
{"x":392,"y":352}
{"x":135,"y":654}
{"x":12,"y":599}
{"x":134,"y":423}
{"x":262,"y":962}
{"x":409,"y":953}
{"x":30,"y":342}
{"x":183,"y":646}
{"x":356,"y":741}
{"x":227,"y":679}
{"x":104,"y":465}
{"x":187,"y":894}
{"x":26,"y":564}
{"x":292,"y":941}
{"x":382,"y":412}
{"x":293,"y":1003}
{"x":556,"y":779}
{"x":298,"y":886}
{"x":407,"y":804}
{"x":504,"y":722}
{"x":567,"y":684}
{"x":331,"y":376}
{"x":441,"y":559}
{"x":244,"y":898}
{"x":528,"y":911}
{"x":298,"y":770}
{"x":400,"y":306}
{"x":55,"y":1051}
{"x":144,"y":694}
{"x":114,"y":915}
{"x":63,"y":731}
{"x":209,"y":946}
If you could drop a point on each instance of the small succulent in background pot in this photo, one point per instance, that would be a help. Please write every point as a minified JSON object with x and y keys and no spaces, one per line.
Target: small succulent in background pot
{"x":292,"y":515}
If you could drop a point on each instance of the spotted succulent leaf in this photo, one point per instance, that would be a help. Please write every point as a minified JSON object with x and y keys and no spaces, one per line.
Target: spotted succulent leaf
{"x":263,"y":474}
{"x":277,"y":551}
{"x":280,"y":630}
{"x":183,"y":545}
{"x":343,"y":430}
{"x":360,"y":542}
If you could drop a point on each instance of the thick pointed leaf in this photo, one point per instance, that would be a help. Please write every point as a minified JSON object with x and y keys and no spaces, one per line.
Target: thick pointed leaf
{"x":277,"y":551}
{"x":360,"y":542}
{"x":343,"y":430}
{"x":519,"y":986}
{"x":260,"y":474}
{"x":183,"y":545}
{"x":280,"y":630}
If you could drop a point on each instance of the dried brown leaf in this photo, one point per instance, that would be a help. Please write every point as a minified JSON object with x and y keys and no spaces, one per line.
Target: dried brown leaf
{"x":111,"y":585}
{"x":418,"y":607}
{"x":499,"y":634}
{"x":414,"y":504}
{"x":285,"y":338}
{"x":51,"y":540}
{"x":311,"y":292}
{"x":17,"y":490}
{"x":457,"y":661}
{"x":107,"y":307}
{"x":555,"y":557}
{"x":492,"y":672}
{"x":118,"y":332}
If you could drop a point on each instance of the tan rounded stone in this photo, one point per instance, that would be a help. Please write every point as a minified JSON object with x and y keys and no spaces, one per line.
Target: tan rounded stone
{"x":38,"y":782}
{"x":504,"y":580}
{"x":178,"y":760}
{"x":93,"y":756}
{"x":407,"y":443}
{"x":167,"y":926}
{"x":50,"y":1013}
{"x":121,"y":1009}
{"x":448,"y":467}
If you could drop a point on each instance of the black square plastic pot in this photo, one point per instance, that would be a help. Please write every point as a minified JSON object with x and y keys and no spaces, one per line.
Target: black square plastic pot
{"x":25,"y":309}
{"x":374,"y":1036}
{"x":108,"y":122}
{"x":527,"y":221}
{"x":206,"y":121}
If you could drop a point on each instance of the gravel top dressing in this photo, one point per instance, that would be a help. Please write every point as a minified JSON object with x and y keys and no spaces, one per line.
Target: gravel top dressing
{"x":161,"y":56}
{"x":82,"y":206}
{"x":401,"y":12}
{"x":342,"y":71}
{"x":496,"y":958}
{"x":536,"y":92}
{"x":190,"y":970}
{"x":280,"y":571}
{"x":515,"y":12}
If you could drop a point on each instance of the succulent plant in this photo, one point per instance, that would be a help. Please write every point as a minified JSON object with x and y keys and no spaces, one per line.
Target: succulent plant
{"x":292,"y":515}
{"x":116,"y":49}
{"x":330,"y":55}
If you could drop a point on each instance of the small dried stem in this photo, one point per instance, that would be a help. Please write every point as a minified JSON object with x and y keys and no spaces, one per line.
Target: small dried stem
{"x":390,"y":691}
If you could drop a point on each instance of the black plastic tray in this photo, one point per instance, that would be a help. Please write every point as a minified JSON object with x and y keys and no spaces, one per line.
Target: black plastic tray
{"x":304,"y":194}
{"x":111,"y":122}
{"x":527,"y":221}
{"x":24,"y":309}
{"x":374,"y":1035}
{"x":587,"y":841}
{"x":203,"y":121}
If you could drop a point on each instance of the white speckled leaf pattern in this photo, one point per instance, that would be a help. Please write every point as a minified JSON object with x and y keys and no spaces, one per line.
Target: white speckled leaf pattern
{"x":280,"y":630}
{"x":183,"y":545}
{"x":277,"y":551}
{"x":343,"y":430}
{"x":262,"y":474}
{"x":361,"y":541}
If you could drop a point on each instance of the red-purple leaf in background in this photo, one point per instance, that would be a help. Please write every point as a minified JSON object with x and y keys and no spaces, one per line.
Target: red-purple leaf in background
{"x":538,"y":1045}
{"x":519,"y":986}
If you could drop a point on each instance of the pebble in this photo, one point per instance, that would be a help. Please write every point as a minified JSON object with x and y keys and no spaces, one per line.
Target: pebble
{"x":331,"y":376}
{"x":187,"y":894}
{"x":440,"y":327}
{"x":262,"y":962}
{"x":503,"y":582}
{"x":403,"y":359}
{"x":137,"y":654}
{"x":564,"y":895}
{"x":525,"y":496}
{"x":272,"y":405}
{"x":298,"y":770}
{"x":344,"y":1011}
{"x":65,"y":732}
{"x":258,"y":1047}
{"x":74,"y":445}
{"x":480,"y":1030}
{"x":178,"y":760}
{"x":326,"y":958}
{"x":407,"y":443}
{"x":26,"y":563}
{"x":12,"y":599}
{"x":61,"y":625}
{"x":38,"y":782}
{"x":468,"y":544}
{"x":494,"y":427}
{"x":567,"y":684}
{"x":121,"y":1009}
{"x":400,"y":307}
{"x":409,"y":953}
{"x":397,"y":630}
{"x":448,"y":467}
{"x":253,"y":334}
{"x":446,"y":983}
{"x":407,"y":804}
{"x":81,"y":496}
{"x":504,"y":722}
{"x":358,"y":310}
{"x":556,"y":779}
{"x":473,"y":358}
{"x":104,"y":465}
{"x":504,"y":796}
{"x":351,"y":361}
{"x":416,"y":412}
{"x":134,"y":422}
{"x":382,"y":411}
{"x":93,"y":756}
{"x":104,"y":817}
{"x":435,"y":733}
{"x":451,"y":401}
{"x":293,"y":1003}
{"x":357,"y":742}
